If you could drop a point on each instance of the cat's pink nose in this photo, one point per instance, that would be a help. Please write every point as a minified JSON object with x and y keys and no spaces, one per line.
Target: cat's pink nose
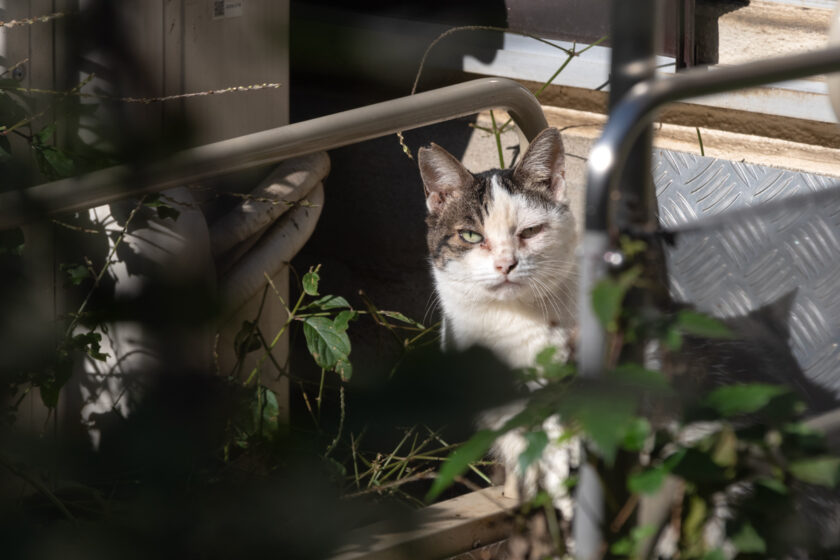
{"x":505,"y":265}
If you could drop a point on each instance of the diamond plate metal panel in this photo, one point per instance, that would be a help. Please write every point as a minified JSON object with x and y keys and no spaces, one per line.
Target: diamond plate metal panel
{"x":788,"y":242}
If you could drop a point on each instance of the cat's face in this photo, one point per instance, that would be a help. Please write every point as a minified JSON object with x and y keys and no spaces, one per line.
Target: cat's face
{"x":500,"y":235}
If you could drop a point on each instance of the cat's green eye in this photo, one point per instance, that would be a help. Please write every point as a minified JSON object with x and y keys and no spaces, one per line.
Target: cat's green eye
{"x":470,"y":236}
{"x":531,"y":231}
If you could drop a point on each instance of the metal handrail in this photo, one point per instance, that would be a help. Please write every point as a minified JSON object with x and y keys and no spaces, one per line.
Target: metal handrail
{"x":270,"y":146}
{"x":637,"y":107}
{"x":608,"y":155}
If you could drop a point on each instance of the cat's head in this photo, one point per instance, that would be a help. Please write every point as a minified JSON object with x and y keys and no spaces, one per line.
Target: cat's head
{"x":505,"y":235}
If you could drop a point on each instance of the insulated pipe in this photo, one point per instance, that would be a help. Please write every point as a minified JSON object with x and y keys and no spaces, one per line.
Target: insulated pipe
{"x":269,"y":146}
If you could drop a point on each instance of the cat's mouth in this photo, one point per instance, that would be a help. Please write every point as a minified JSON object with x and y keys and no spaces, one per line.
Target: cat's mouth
{"x":506,"y":283}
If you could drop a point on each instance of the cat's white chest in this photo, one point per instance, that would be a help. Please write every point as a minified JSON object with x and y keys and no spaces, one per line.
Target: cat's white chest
{"x":513,"y":333}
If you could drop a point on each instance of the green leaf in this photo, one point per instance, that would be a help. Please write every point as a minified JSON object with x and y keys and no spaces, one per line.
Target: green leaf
{"x":89,"y":344}
{"x":164,"y":210}
{"x":310,"y":283}
{"x":742,"y":399}
{"x":649,"y":481}
{"x":608,"y":295}
{"x":622,"y":547}
{"x":266,"y":412}
{"x":627,"y":546}
{"x":637,"y":433}
{"x":459,"y":461}
{"x":402,"y":318}
{"x":716,"y":554}
{"x":342,"y":320}
{"x":695,"y":465}
{"x":773,"y":484}
{"x":748,"y":541}
{"x":673,"y":339}
{"x":43,"y":136}
{"x":60,"y":162}
{"x":328,"y":302}
{"x":344,"y":368}
{"x":635,"y":374}
{"x":695,"y":520}
{"x":76,"y":273}
{"x":326,"y":344}
{"x":551,"y":368}
{"x":824,"y":471}
{"x":725,"y":452}
{"x":605,"y":419}
{"x":700,"y":324}
{"x":631,"y":247}
{"x":537,"y":442}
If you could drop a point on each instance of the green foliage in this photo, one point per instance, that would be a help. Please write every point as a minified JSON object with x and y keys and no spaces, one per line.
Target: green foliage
{"x":748,"y":541}
{"x":327,"y":343}
{"x":692,"y":322}
{"x":742,"y":399}
{"x":53,"y":162}
{"x":460,"y":459}
{"x":537,"y":442}
{"x":310,"y":282}
{"x":822,"y":471}
{"x":743,"y":443}
{"x":628,"y":546}
{"x":608,"y":294}
{"x":162,"y":206}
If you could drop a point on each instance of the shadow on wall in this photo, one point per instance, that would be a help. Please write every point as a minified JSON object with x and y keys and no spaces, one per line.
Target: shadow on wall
{"x":707,"y":32}
{"x":371,"y":233}
{"x":383,"y":42}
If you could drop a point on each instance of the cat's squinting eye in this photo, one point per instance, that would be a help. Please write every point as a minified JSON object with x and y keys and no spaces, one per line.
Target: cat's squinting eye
{"x":531,"y":231}
{"x":470,"y":236}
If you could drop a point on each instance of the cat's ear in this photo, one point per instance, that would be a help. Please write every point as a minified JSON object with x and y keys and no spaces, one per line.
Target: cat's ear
{"x":543,"y":167}
{"x":443,"y":175}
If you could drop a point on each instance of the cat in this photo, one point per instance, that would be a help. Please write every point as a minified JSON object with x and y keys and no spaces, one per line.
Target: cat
{"x":502,"y":249}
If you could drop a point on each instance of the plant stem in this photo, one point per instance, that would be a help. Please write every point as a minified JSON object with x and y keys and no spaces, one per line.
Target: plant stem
{"x":498,"y":137}
{"x":700,"y":140}
{"x":320,"y":396}
{"x":340,"y":423}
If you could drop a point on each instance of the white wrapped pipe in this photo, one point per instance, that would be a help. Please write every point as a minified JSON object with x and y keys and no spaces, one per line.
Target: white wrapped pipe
{"x":289,"y":182}
{"x":273,"y":251}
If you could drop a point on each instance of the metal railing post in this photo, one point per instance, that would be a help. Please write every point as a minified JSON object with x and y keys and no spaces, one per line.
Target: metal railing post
{"x":633,"y":34}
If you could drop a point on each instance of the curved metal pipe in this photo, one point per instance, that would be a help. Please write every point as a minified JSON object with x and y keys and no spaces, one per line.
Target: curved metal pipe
{"x":269,"y":146}
{"x":609,"y":153}
{"x":636,"y":109}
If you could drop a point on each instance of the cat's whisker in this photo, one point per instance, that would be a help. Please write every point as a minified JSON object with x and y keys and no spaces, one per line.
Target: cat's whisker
{"x":432,"y":303}
{"x":543,"y":298}
{"x":554,"y":299}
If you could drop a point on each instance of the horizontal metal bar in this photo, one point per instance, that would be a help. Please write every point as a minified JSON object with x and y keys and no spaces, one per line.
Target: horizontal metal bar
{"x":636,"y":109}
{"x":269,"y":146}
